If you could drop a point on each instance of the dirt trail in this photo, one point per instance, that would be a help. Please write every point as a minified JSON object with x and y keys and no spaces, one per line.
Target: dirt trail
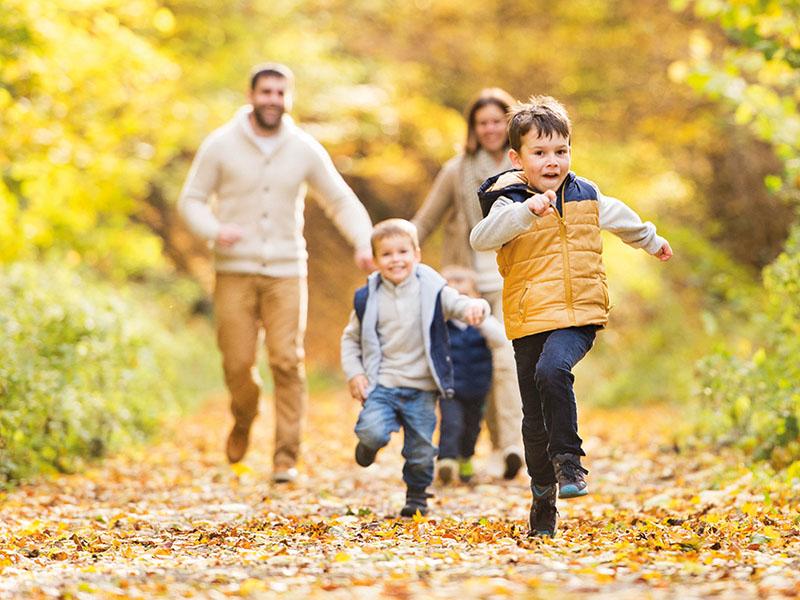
{"x":174,"y":520}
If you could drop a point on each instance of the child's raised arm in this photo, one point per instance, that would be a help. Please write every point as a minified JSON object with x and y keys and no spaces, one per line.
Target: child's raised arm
{"x":465,"y":308}
{"x":621,"y":220}
{"x":506,"y":220}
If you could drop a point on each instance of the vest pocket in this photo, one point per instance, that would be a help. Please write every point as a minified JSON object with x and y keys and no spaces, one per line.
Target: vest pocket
{"x":522,"y":299}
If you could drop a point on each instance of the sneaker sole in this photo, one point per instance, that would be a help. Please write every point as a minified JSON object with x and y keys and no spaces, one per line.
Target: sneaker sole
{"x":537,"y":533}
{"x":570,"y":491}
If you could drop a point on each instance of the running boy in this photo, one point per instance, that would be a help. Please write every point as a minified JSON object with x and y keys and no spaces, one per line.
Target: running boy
{"x":545,"y":221}
{"x":396,"y":354}
{"x":471,"y":351}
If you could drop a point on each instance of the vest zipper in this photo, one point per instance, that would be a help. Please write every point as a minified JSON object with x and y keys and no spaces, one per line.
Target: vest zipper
{"x":562,"y":230}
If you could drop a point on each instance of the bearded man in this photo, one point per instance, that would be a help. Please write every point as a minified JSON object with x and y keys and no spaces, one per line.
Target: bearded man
{"x":245,"y":193}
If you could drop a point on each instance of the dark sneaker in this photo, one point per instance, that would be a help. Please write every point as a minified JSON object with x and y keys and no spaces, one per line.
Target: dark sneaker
{"x":512,"y":460}
{"x":569,"y":473}
{"x":544,"y":516}
{"x":237,"y":443}
{"x":416,"y":502}
{"x":365,"y":456}
{"x":447,"y":468}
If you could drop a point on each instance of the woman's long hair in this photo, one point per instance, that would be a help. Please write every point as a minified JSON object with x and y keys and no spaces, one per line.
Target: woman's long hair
{"x":497,"y":96}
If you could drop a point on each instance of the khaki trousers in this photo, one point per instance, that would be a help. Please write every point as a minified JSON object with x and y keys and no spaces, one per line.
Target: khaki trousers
{"x":504,"y":404}
{"x":243,"y":304}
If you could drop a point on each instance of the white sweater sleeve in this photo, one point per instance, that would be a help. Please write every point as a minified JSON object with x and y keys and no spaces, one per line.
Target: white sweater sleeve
{"x":337,"y":198}
{"x":621,"y":220}
{"x":201,"y":183}
{"x":506,"y":220}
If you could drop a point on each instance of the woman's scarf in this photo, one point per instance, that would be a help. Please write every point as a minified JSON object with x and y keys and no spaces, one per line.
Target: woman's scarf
{"x":475,"y":169}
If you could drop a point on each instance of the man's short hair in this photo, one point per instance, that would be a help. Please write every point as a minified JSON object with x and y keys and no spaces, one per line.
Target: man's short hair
{"x":270,"y":69}
{"x":545,"y":113}
{"x":392,"y":228}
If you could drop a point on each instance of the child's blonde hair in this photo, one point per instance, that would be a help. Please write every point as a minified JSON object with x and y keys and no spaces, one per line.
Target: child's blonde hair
{"x":392,"y":228}
{"x":458,"y":274}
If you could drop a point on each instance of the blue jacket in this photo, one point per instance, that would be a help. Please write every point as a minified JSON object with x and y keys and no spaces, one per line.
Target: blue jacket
{"x":434,"y":332}
{"x":472,"y":362}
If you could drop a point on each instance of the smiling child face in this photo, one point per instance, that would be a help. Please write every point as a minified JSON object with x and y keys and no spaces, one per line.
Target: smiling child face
{"x":544,"y":160}
{"x":395,"y":257}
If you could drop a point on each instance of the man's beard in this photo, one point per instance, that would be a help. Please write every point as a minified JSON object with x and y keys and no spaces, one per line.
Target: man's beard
{"x":263,"y":123}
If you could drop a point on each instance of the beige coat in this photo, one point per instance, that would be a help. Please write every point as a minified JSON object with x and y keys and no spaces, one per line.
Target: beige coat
{"x":450,"y":204}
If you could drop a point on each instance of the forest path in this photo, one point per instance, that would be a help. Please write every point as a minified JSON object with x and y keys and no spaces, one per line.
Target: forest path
{"x":174,"y":520}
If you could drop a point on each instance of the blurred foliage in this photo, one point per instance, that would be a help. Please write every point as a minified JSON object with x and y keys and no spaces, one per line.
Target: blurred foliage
{"x":88,"y":367}
{"x":103,"y":104}
{"x":751,"y":390}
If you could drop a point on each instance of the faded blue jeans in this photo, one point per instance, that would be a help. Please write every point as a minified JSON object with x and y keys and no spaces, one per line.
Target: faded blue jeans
{"x":386,"y":411}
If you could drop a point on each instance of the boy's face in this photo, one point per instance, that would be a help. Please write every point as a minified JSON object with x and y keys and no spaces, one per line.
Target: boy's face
{"x":395,"y":258}
{"x":545,"y":160}
{"x":463,"y":285}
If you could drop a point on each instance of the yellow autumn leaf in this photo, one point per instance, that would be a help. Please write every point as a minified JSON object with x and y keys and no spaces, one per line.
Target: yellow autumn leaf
{"x":251,"y":586}
{"x":749,"y":509}
{"x":341,"y":557}
{"x":241,"y":469}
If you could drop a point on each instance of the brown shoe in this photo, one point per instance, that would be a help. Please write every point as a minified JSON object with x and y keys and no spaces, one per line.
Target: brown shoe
{"x":237,"y":442}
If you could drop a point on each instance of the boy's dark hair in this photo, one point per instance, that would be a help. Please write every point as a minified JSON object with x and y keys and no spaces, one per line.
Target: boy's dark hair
{"x":545,"y":113}
{"x":270,"y":69}
{"x":496,"y":96}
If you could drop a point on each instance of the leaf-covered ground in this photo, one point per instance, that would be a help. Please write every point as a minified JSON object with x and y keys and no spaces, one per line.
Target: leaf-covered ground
{"x":174,"y":520}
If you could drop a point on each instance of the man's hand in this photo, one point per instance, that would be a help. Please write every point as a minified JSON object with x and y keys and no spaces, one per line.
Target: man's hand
{"x":358,"y":388}
{"x":474,"y":314}
{"x":228,"y":235}
{"x":664,"y":253}
{"x":541,"y":204}
{"x":363,"y":258}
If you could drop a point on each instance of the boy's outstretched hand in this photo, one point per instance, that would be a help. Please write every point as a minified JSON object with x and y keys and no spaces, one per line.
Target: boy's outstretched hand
{"x":541,"y":204}
{"x":358,"y":388}
{"x":664,"y":253}
{"x":474,"y":314}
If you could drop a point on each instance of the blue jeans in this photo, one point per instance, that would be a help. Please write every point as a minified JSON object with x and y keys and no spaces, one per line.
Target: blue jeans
{"x":461,"y":424}
{"x":550,"y":413}
{"x":385,"y":411}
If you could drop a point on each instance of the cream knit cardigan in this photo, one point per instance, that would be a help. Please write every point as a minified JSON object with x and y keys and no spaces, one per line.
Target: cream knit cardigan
{"x":232,"y":180}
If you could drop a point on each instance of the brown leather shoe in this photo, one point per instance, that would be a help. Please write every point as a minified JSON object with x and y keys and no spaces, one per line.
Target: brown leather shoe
{"x":237,"y":442}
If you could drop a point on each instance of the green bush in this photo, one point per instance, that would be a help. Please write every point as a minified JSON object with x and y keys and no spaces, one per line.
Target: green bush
{"x":752,"y":398}
{"x":87,"y":367}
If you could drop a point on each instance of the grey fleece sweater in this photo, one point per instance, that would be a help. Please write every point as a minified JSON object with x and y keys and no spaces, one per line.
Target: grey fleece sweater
{"x":403,"y":361}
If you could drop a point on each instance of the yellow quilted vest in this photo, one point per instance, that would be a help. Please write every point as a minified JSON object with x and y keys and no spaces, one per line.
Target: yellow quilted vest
{"x":553,"y":274}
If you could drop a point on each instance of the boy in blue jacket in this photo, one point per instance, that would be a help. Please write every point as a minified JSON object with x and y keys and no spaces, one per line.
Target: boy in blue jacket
{"x":396,"y":354}
{"x":471,"y":351}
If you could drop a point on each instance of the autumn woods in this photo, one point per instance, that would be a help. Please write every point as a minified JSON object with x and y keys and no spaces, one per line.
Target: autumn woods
{"x":110,"y":382}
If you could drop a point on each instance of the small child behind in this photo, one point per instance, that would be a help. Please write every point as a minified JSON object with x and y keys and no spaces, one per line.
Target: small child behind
{"x":396,"y":356}
{"x":471,"y":351}
{"x":545,"y":222}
